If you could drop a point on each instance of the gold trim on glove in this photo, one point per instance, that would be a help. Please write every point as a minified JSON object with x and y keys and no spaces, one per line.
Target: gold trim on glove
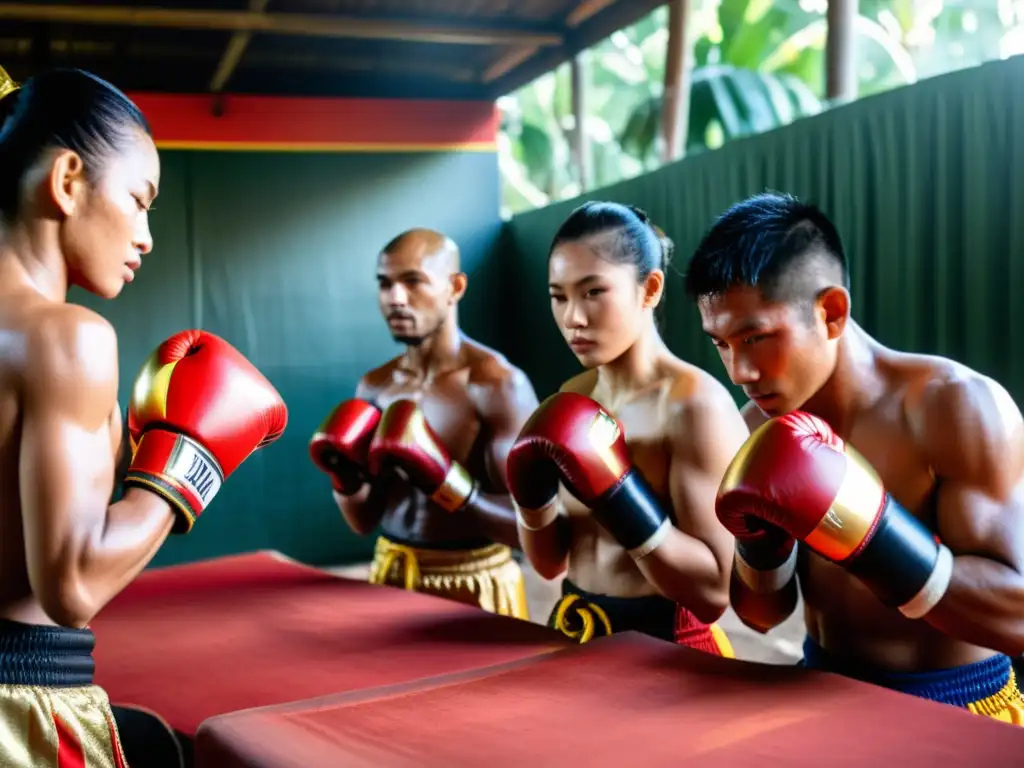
{"x":454,"y":493}
{"x":854,"y":510}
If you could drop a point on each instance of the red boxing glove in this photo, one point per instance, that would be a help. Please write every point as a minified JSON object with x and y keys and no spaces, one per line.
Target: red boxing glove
{"x":198,"y":410}
{"x":794,"y":473}
{"x":572,"y":439}
{"x":404,"y":439}
{"x":341,"y":447}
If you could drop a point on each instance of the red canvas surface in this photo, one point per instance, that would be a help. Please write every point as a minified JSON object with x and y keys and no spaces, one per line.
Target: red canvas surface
{"x":194,"y":641}
{"x":622,"y":701}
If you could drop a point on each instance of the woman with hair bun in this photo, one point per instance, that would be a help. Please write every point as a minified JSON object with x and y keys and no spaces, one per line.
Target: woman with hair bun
{"x":615,"y":476}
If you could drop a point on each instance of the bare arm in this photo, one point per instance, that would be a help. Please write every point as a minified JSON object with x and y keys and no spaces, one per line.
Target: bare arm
{"x":692,"y":566}
{"x":123,"y":456}
{"x":973,"y":435}
{"x":504,"y":405}
{"x":80,"y":551}
{"x":364,"y":509}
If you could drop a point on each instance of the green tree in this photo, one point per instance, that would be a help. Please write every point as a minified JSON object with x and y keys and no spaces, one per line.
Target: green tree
{"x":758,"y":65}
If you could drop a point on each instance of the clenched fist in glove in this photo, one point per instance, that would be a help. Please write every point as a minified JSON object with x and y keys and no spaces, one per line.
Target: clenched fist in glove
{"x":794,"y":477}
{"x":572,"y":439}
{"x":404,"y":439}
{"x":198,"y":410}
{"x":341,"y":447}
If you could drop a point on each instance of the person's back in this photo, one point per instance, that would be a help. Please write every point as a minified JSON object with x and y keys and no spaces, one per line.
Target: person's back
{"x":16,"y":599}
{"x":22,"y":314}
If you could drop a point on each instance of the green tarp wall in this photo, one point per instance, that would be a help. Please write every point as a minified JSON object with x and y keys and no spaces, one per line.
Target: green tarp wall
{"x":276,"y":252}
{"x":926,"y":185}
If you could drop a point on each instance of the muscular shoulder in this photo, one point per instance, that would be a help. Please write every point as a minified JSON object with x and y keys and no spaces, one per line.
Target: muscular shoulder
{"x":581,"y":384}
{"x":967,"y":425}
{"x":703,"y":410}
{"x":498,"y":387}
{"x":375,"y":380}
{"x":491,"y":369}
{"x":69,"y":344}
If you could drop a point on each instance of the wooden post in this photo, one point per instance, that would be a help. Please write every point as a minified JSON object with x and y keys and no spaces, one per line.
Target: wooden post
{"x":675,"y":104}
{"x":580,"y":139}
{"x":840,"y":51}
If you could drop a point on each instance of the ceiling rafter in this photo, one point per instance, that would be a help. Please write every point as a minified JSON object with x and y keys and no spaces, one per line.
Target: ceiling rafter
{"x":279,"y":24}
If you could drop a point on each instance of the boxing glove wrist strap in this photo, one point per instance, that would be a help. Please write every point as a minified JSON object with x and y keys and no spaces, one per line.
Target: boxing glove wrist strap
{"x":934,"y":589}
{"x":178,"y":468}
{"x":457,"y":489}
{"x":902,"y":563}
{"x":537,"y":519}
{"x":631,"y":513}
{"x":764,"y":576}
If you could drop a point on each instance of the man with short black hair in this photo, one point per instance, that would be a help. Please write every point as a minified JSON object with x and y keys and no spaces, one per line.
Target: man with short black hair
{"x":902,"y":475}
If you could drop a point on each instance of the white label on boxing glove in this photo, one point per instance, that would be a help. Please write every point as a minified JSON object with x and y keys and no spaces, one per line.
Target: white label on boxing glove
{"x":195,"y":469}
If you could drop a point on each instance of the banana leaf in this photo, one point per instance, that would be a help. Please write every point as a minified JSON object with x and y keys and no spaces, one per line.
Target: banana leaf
{"x":741,"y":101}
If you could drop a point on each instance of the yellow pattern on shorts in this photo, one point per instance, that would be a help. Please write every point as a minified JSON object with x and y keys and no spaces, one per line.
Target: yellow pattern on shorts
{"x":487,"y":577}
{"x":1006,"y":705}
{"x":54,"y":727}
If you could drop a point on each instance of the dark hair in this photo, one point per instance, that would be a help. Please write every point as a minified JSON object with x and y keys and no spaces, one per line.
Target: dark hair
{"x":758,"y":242}
{"x":65,"y":108}
{"x":640,"y":242}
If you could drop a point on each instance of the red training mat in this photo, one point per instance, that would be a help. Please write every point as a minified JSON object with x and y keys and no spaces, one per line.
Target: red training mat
{"x":198,"y":640}
{"x":627,"y":700}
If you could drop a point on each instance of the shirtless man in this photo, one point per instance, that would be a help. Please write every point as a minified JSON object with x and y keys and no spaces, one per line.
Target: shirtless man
{"x":421,"y":450}
{"x":78,"y":173}
{"x":615,"y":476}
{"x":902,"y":475}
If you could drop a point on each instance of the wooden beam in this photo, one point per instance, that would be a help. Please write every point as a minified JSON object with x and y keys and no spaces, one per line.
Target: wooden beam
{"x":601,"y":25}
{"x":233,"y":53}
{"x":307,"y":63}
{"x":508,"y":62}
{"x":301,"y":25}
{"x":675,"y":104}
{"x":585,"y":10}
{"x":841,"y":51}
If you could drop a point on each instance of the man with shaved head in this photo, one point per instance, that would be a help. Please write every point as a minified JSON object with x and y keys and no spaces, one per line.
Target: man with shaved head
{"x":421,"y":449}
{"x":889,"y":485}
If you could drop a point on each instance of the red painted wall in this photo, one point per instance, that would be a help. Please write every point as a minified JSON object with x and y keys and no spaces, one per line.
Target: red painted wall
{"x":320,"y":125}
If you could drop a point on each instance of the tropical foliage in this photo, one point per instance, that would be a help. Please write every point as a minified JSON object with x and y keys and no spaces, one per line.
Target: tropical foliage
{"x":757,"y":65}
